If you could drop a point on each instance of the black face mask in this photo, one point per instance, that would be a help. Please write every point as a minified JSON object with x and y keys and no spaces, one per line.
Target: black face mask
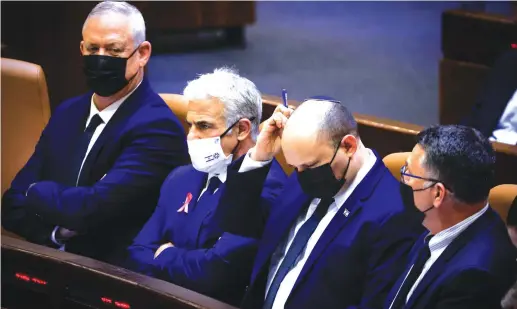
{"x":320,"y":181}
{"x":106,"y":75}
{"x":408,"y":198}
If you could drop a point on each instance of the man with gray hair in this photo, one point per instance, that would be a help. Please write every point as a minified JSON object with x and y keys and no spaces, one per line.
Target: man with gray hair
{"x":339,"y":234}
{"x":95,"y":175}
{"x":184,"y":242}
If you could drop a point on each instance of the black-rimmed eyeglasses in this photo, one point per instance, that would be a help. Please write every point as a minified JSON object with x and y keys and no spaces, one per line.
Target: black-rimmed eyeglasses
{"x":404,"y":178}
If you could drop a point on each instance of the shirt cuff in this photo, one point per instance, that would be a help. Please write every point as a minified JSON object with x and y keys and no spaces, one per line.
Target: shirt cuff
{"x":248,"y":164}
{"x":53,"y":237}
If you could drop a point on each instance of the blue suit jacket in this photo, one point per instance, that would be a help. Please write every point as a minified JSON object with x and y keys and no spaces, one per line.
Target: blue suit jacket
{"x":474,"y":271}
{"x":358,"y":257}
{"x":124,"y":170}
{"x":199,"y":261}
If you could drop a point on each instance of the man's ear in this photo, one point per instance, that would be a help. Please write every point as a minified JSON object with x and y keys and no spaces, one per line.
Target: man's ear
{"x":349,"y":143}
{"x":244,"y":129}
{"x":439,"y":194}
{"x":144,"y":50}
{"x":81,"y":47}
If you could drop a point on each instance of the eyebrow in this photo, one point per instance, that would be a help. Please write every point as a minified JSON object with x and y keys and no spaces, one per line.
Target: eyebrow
{"x":109,"y":45}
{"x":203,"y":122}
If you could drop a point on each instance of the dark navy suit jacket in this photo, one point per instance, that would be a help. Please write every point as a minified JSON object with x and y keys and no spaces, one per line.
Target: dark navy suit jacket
{"x":358,"y":257}
{"x":199,"y":261}
{"x":474,"y":272}
{"x":121,"y":176}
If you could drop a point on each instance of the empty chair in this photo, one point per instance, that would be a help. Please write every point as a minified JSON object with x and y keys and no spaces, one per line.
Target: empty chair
{"x":25,"y":112}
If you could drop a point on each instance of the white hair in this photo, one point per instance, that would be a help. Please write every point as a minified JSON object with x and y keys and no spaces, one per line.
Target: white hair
{"x":240,"y":96}
{"x":119,"y":7}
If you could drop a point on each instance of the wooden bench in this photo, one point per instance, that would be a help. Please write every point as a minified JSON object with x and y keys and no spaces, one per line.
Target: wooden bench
{"x":34,"y":276}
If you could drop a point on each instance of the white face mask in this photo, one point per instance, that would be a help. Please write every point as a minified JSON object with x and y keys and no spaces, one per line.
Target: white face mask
{"x":207,"y":155}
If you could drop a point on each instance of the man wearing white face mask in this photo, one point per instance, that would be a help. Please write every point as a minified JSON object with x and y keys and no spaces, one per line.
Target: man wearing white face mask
{"x":184,"y":242}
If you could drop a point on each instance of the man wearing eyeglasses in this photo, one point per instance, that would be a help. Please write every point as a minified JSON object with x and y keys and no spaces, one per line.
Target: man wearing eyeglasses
{"x":466,"y":259}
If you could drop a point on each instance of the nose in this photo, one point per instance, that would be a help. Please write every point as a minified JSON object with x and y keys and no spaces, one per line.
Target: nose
{"x":102,"y":51}
{"x":192,"y":134}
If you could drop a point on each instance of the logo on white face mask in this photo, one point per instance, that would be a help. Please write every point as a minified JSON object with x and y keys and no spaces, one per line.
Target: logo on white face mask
{"x":207,"y":155}
{"x":212,"y":157}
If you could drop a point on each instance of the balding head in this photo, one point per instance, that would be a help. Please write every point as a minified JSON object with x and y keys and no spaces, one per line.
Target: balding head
{"x":322,"y":120}
{"x":315,"y":131}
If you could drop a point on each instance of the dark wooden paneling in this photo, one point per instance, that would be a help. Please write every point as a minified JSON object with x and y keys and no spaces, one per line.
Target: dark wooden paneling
{"x":476,"y":37}
{"x":460,"y":84}
{"x":49,"y":33}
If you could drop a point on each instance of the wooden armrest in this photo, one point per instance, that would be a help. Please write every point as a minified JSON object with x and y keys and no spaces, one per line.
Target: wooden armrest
{"x":87,"y":280}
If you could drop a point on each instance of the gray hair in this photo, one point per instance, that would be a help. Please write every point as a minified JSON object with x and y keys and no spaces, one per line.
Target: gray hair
{"x":239,"y":95}
{"x":337,"y":121}
{"x":119,"y":7}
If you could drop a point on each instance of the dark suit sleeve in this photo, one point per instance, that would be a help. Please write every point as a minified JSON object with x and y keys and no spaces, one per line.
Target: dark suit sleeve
{"x":15,"y":216}
{"x":471,"y":289}
{"x":209,"y":271}
{"x":151,"y":237}
{"x":152,"y":151}
{"x":222,"y":266}
{"x":148,"y":240}
{"x":241,"y":208}
{"x":388,"y":257}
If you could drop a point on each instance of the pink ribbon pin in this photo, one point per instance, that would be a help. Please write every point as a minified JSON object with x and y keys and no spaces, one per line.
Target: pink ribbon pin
{"x":184,"y":208}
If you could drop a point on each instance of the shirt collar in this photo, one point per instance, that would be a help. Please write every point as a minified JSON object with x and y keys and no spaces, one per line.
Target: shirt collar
{"x":445,"y":237}
{"x":109,"y":111}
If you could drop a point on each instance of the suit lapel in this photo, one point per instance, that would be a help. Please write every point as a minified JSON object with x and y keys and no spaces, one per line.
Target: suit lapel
{"x":345,"y":214}
{"x":75,"y":125}
{"x":114,"y":126}
{"x":463,"y":239}
{"x":282,"y":222}
{"x":189,"y":229}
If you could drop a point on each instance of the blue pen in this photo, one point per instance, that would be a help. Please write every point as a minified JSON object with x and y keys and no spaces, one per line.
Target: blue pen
{"x":284,"y":97}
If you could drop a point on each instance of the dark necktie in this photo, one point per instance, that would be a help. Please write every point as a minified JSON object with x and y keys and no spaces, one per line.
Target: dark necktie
{"x":213,"y":184}
{"x":84,"y":141}
{"x":423,"y":255}
{"x":300,"y":241}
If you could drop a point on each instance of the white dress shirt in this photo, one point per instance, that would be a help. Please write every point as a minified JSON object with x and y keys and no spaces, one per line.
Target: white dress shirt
{"x":221,"y":176}
{"x":339,"y":199}
{"x":506,"y":130}
{"x":106,"y":114}
{"x":223,"y":173}
{"x":439,"y":243}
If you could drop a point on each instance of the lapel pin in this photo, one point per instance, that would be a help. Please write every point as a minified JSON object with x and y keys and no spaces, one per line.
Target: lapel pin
{"x":184,"y":207}
{"x":346,"y":212}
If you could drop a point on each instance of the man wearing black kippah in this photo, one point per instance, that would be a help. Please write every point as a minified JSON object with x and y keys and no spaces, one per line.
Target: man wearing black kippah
{"x":339,"y":233}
